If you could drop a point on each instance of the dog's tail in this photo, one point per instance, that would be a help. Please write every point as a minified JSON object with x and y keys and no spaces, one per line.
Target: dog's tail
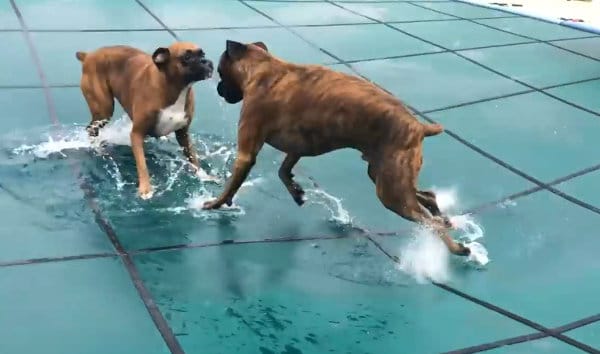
{"x":432,"y":129}
{"x":81,"y":56}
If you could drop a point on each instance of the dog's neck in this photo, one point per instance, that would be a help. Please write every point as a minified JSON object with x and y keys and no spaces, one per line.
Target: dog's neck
{"x":251,"y":72}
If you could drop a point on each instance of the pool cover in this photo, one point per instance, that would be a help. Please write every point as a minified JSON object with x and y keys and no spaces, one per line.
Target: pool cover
{"x":87,"y":267}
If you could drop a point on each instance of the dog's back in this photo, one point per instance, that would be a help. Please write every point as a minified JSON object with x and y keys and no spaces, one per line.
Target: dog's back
{"x":109,"y":54}
{"x":349,"y":107}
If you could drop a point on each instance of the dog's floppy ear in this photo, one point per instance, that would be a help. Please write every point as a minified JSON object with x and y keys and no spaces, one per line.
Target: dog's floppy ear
{"x":235,"y":50}
{"x":161,"y":56}
{"x":262,"y":45}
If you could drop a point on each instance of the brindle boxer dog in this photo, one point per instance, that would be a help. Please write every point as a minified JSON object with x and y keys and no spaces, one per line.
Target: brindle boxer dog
{"x":155,"y":91}
{"x":309,"y":110}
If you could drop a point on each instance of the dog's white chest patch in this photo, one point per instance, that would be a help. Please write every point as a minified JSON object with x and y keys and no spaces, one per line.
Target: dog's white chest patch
{"x":173,"y":118}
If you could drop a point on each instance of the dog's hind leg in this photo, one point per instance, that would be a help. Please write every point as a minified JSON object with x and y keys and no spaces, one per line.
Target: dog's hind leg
{"x":287,"y":177}
{"x":100,"y":102}
{"x":396,"y":189}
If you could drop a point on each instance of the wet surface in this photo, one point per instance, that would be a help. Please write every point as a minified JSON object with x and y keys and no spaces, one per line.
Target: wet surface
{"x":341,"y":274}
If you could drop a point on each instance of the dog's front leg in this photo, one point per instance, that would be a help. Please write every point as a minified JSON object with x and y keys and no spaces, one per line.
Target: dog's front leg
{"x":137,"y":145}
{"x":287,"y":177}
{"x":250,"y":141}
{"x":183,"y":138}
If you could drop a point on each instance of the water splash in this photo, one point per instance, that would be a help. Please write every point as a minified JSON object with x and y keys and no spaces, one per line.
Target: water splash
{"x":195,"y":203}
{"x":338,"y":213}
{"x":425,"y":257}
{"x":76,"y":138}
{"x":470,"y":232}
{"x":446,"y":198}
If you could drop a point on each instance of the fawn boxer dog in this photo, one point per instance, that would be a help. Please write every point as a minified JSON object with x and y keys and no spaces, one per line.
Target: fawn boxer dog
{"x":309,"y":110}
{"x":155,"y":91}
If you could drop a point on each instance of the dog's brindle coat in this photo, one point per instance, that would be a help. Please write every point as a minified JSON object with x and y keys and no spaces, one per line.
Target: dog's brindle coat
{"x":154,"y":90}
{"x":309,"y":110}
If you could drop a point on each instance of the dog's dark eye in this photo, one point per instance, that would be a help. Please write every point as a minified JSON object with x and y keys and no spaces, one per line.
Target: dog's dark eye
{"x":187,"y":57}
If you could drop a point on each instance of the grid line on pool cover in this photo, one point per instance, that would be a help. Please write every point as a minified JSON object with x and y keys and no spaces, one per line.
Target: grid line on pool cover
{"x":89,"y":195}
{"x":548,"y":332}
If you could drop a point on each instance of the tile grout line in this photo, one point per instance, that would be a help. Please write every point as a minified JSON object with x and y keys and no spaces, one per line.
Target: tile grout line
{"x":463,"y":104}
{"x":529,"y":16}
{"x":384,"y":233}
{"x":503,"y":30}
{"x":474,"y":210}
{"x":457,"y":53}
{"x":509,"y":95}
{"x":526,"y":338}
{"x":143,"y":6}
{"x":470,"y":145}
{"x":146,"y":297}
{"x":101,"y":30}
{"x":489,"y":306}
{"x":120,"y":249}
{"x":501,"y":311}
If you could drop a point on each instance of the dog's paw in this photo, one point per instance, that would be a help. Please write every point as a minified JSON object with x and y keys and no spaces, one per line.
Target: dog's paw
{"x":147,"y":195}
{"x":463,"y":250}
{"x":145,"y":192}
{"x":297,"y":193}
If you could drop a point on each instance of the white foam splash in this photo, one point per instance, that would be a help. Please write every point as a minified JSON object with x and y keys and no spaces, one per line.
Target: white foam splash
{"x":425,"y":257}
{"x":74,"y":140}
{"x":117,"y":133}
{"x":338,"y":213}
{"x":471,"y":232}
{"x":196,"y":203}
{"x":446,"y":199}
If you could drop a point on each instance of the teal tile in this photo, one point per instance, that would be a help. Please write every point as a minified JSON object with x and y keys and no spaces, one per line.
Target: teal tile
{"x":541,"y":247}
{"x":57,"y":50}
{"x":307,"y":13}
{"x":587,"y":46}
{"x":293,"y":297}
{"x":448,"y":167}
{"x":584,"y":94}
{"x":74,"y":307}
{"x":534,"y":28}
{"x":206,"y":14}
{"x":541,"y":346}
{"x":399,"y":11}
{"x":8,"y":19}
{"x":43,"y":217}
{"x":71,"y":107}
{"x":463,"y":10}
{"x":458,"y":34}
{"x":516,"y":129}
{"x":86,"y":14}
{"x":584,"y":188}
{"x":359,"y":42}
{"x":23,"y":108}
{"x":21,"y":67}
{"x":430,"y":81}
{"x":589,"y":335}
{"x":536,"y":64}
{"x":281,"y":43}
